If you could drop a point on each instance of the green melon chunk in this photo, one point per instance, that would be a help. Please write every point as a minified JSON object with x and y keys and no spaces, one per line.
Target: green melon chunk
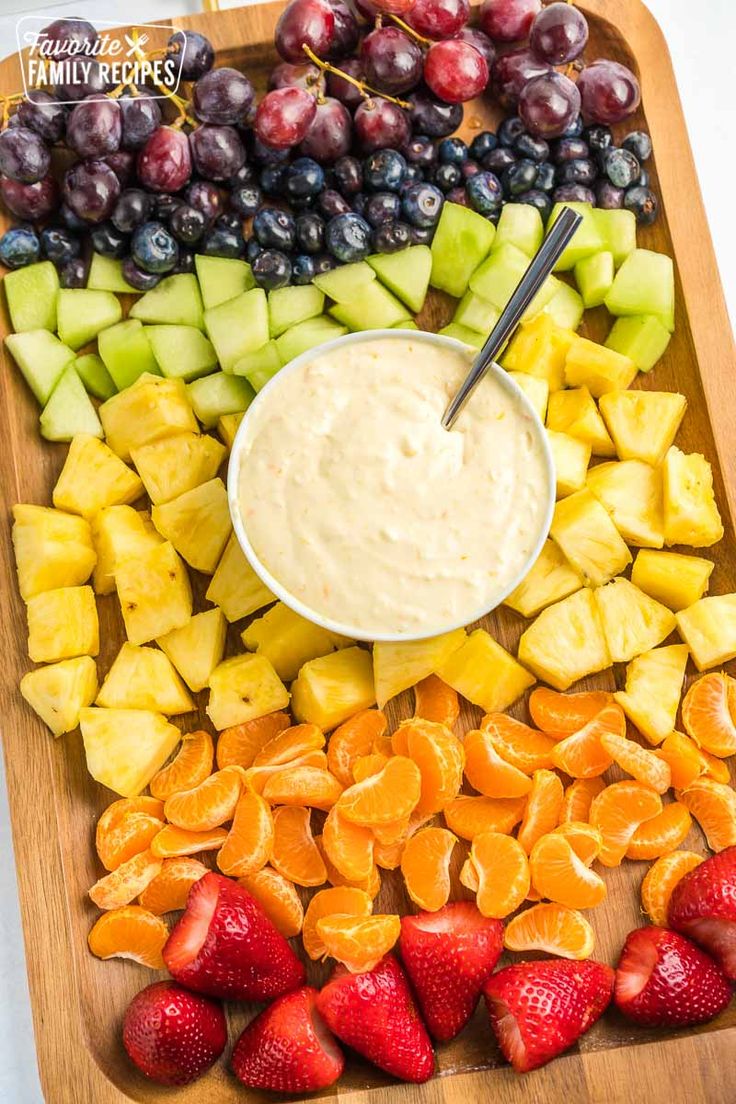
{"x":618,"y":230}
{"x":127,"y":353}
{"x":41,"y":358}
{"x":476,"y":314}
{"x":222,"y":278}
{"x":594,"y":277}
{"x":345,"y":284}
{"x":182,"y":352}
{"x":520,"y":224}
{"x":95,"y":376}
{"x":565,"y":307}
{"x":82,"y":314}
{"x":214,"y":396}
{"x":259,"y":367}
{"x":375,"y":309}
{"x":645,"y":284}
{"x":176,"y":301}
{"x":545,"y":295}
{"x":238,"y":326}
{"x":315,"y":331}
{"x":405,"y":273}
{"x":498,"y":276}
{"x":461,"y":241}
{"x":31,"y":293}
{"x":462,"y":333}
{"x":409,"y":324}
{"x":106,"y":274}
{"x":642,"y":337}
{"x":69,"y":410}
{"x":587,"y":238}
{"x":289,"y":306}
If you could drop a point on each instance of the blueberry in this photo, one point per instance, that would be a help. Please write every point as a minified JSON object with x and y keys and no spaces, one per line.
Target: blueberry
{"x":457,"y":195}
{"x":348,"y":175}
{"x":519,"y":177}
{"x":413,"y":175}
{"x":607,"y":196}
{"x":447,"y":177}
{"x":303,"y":179}
{"x":545,"y":181}
{"x":382,"y":207}
{"x":539,"y":199}
{"x":59,"y":245}
{"x":422,"y":235}
{"x":348,"y":237}
{"x":164,"y":206}
{"x":252,"y":249}
{"x":324,"y":263}
{"x":573,"y":193}
{"x":359,"y":202}
{"x":643,"y":202}
{"x":231,"y":220}
{"x":272,"y":179}
{"x":154,"y":248}
{"x":509,"y":130}
{"x":643,"y":180}
{"x":452,"y":151}
{"x":498,"y":160}
{"x":132,"y":208}
{"x":484,"y":192}
{"x":222,"y":241}
{"x":246,"y":199}
{"x":568,"y":149}
{"x":575,"y":128}
{"x":638,"y":143}
{"x":469,"y":168}
{"x":536,"y":149}
{"x":187,"y":224}
{"x":598,"y":137}
{"x":420,"y":150}
{"x":390,"y":237}
{"x":310,"y":232}
{"x":137,"y":277}
{"x":383,"y":170}
{"x":275,"y":229}
{"x":73,"y":274}
{"x":303,"y":269}
{"x":272,"y":269}
{"x":482,"y":144}
{"x":70,"y":220}
{"x":332,"y":203}
{"x":19,"y":247}
{"x":580,"y":171}
{"x":621,"y":167}
{"x":421,"y":205}
{"x":108,"y":241}
{"x":267,"y":155}
{"x":246,"y":174}
{"x":185,"y":262}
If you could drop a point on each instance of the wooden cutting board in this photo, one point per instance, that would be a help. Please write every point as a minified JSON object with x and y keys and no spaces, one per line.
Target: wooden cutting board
{"x":78,"y":1001}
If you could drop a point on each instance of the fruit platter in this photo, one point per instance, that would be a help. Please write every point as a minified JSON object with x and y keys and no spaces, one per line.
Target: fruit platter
{"x":259,"y":858}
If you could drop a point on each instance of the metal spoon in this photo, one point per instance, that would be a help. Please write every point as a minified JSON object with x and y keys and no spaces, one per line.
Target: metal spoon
{"x":539,"y":269}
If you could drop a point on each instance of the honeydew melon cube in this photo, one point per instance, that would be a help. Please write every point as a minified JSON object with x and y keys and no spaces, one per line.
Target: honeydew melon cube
{"x":106,"y":274}
{"x":544,"y":296}
{"x":405,"y":273}
{"x":69,"y":410}
{"x":520,"y":224}
{"x":462,"y":333}
{"x":259,"y":367}
{"x":594,"y":277}
{"x":41,"y":358}
{"x":288,"y":306}
{"x":126,"y":352}
{"x":535,"y":389}
{"x":238,"y":326}
{"x":497,"y":278}
{"x":95,"y":376}
{"x":409,"y":324}
{"x":642,"y":337}
{"x":587,"y":238}
{"x":645,"y":284}
{"x":31,"y":293}
{"x":476,"y":313}
{"x":618,"y":229}
{"x":219,"y":394}
{"x":461,"y":241}
{"x":599,"y":369}
{"x":345,"y":284}
{"x":375,"y":309}
{"x":182,"y":352}
{"x":82,"y":314}
{"x":565,"y":307}
{"x":315,"y":331}
{"x":222,"y":278}
{"x":176,"y":301}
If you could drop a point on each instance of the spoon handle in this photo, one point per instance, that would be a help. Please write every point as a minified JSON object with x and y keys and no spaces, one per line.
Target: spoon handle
{"x":539,"y":269}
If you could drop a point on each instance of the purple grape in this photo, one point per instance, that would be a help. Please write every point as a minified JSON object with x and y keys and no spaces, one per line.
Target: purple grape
{"x":165,"y":163}
{"x":348,"y":175}
{"x":73,"y":274}
{"x":43,"y":113}
{"x":390,"y":237}
{"x":93,"y":83}
{"x":475,"y":37}
{"x":23,"y":155}
{"x":107,"y":240}
{"x":305,"y":23}
{"x":217,"y":151}
{"x":310,"y":232}
{"x":137,"y":277}
{"x":382,"y":207}
{"x":122,"y":163}
{"x":330,"y":133}
{"x":206,"y":197}
{"x":94,"y":127}
{"x":438,"y":19}
{"x":433,"y":117}
{"x":30,"y":201}
{"x":70,"y":36}
{"x":508,"y":20}
{"x":132,"y":208}
{"x":392,"y":61}
{"x":223,"y":96}
{"x":346,"y":33}
{"x":187,"y":224}
{"x":271,"y":269}
{"x":141,"y":117}
{"x":199,"y":56}
{"x":559,"y":33}
{"x":343,"y":90}
{"x":91,"y":189}
{"x":609,"y":92}
{"x":510,"y":72}
{"x":573,"y":193}
{"x":548,"y":104}
{"x":308,"y":77}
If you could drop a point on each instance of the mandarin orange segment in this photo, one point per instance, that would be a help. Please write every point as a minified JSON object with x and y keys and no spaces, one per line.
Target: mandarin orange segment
{"x":487,"y":772}
{"x":578,"y":797}
{"x":400,"y":742}
{"x":353,"y":739}
{"x":425,"y":865}
{"x":582,"y":754}
{"x":257,"y":777}
{"x":434,"y":700}
{"x":683,"y":757}
{"x":370,"y":885}
{"x":209,"y":804}
{"x":397,"y":831}
{"x":366,"y":765}
{"x":661,"y":834}
{"x":715,"y":768}
{"x":169,"y":890}
{"x":250,"y":840}
{"x":469,"y":876}
{"x":295,"y":854}
{"x":125,"y":883}
{"x":172,"y":842}
{"x":238,"y":746}
{"x":618,"y":811}
{"x":388,"y":855}
{"x":641,"y":763}
{"x":559,"y":875}
{"x":125,"y":837}
{"x":338,"y":901}
{"x":502,"y":867}
{"x":382,"y":746}
{"x":525,"y":748}
{"x":348,"y":846}
{"x":118,"y":809}
{"x":290,"y":743}
{"x":660,"y":881}
{"x":543,"y":806}
{"x":468,"y":817}
{"x":189,"y":767}
{"x":359,"y":942}
{"x":317,"y":789}
{"x":130,"y":932}
{"x":392,"y":794}
{"x":713,"y":804}
{"x":278,"y":898}
{"x":709,"y":713}
{"x":562,"y":714}
{"x":585,"y":840}
{"x":551,"y":928}
{"x":440,"y":757}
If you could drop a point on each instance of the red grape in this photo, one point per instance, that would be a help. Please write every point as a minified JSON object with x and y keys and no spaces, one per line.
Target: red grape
{"x":455,"y":71}
{"x":392,"y":7}
{"x":510,"y":73}
{"x":508,"y":20}
{"x":91,"y":190}
{"x":609,"y":92}
{"x":439,"y":18}
{"x":284,"y":116}
{"x":122,"y":163}
{"x":94,"y":127}
{"x":288,"y":75}
{"x":380,"y":124}
{"x":368,"y":10}
{"x":346,"y":34}
{"x":305,"y":23}
{"x":481,"y":41}
{"x":549,"y":104}
{"x":165,"y":163}
{"x":330,"y":133}
{"x":23,"y":155}
{"x":392,"y":61}
{"x":343,"y":90}
{"x":30,"y":201}
{"x":217,"y":151}
{"x":223,"y":96}
{"x":559,"y":33}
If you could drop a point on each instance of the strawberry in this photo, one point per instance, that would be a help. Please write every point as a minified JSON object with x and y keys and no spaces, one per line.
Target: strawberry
{"x":287,"y":1048}
{"x":664,"y":980}
{"x":448,"y":955}
{"x":374,"y":1013}
{"x":703,"y":907}
{"x":538,"y":1009}
{"x":172,"y":1035}
{"x":225,"y":946}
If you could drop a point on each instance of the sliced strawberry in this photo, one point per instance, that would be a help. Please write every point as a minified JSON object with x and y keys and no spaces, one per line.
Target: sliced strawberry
{"x":539,"y":1009}
{"x":448,"y":955}
{"x":703,"y":907}
{"x":288,"y":1048}
{"x":374,"y":1013}
{"x":664,"y":980}
{"x":172,"y":1035}
{"x":225,"y":945}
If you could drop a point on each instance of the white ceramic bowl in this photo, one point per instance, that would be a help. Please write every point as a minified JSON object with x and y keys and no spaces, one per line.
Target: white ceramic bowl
{"x":273,"y":584}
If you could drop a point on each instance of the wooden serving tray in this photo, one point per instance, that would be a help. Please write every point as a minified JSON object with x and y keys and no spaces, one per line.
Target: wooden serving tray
{"x":78,"y":1001}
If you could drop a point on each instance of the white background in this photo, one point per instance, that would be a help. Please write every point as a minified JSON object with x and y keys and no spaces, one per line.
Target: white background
{"x":700,"y":39}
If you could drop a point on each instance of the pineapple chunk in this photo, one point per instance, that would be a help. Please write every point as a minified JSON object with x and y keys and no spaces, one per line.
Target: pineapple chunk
{"x":152,"y":409}
{"x":484,"y":673}
{"x":243,"y":688}
{"x":227,"y":427}
{"x":566,"y":642}
{"x":575,"y":412}
{"x":197,"y":647}
{"x":571,"y":458}
{"x":599,"y":369}
{"x":631,"y":492}
{"x":539,"y":349}
{"x":197,"y":523}
{"x":536,"y":390}
{"x":333,"y":688}
{"x":93,"y":477}
{"x":143,"y":678}
{"x":690,"y":512}
{"x":401,"y":664}
{"x":675,"y":580}
{"x":289,"y":641}
{"x":632,"y":621}
{"x":62,"y":624}
{"x":120,"y":533}
{"x":154,"y":592}
{"x":235,"y":587}
{"x":642,"y":424}
{"x":170,"y":467}
{"x":708,"y":627}
{"x":653,"y":688}
{"x":589,"y":539}
{"x":550,"y":580}
{"x":52,"y":549}
{"x":126,"y":747}
{"x":60,"y":691}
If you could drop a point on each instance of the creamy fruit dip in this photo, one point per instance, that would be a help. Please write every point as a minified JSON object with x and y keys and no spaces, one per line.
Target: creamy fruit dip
{"x":362,"y":507}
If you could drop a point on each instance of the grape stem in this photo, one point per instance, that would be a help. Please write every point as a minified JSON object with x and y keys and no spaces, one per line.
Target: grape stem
{"x":365,"y":90}
{"x":180,"y":103}
{"x":410,"y":30}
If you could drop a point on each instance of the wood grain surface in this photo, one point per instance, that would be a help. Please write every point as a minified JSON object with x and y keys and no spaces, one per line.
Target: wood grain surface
{"x":78,"y":1001}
